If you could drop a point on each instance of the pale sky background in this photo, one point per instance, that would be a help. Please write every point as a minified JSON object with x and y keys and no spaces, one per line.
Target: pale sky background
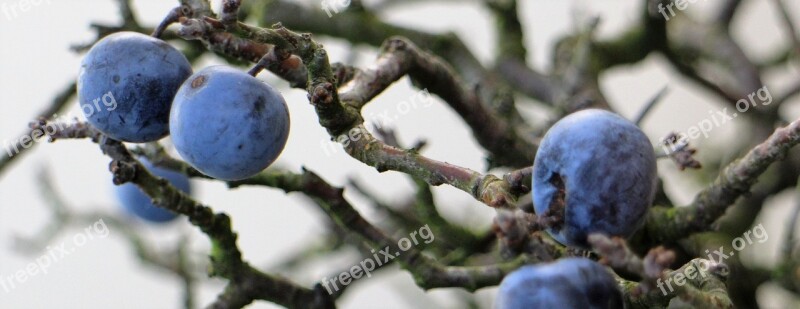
{"x":104,"y":273}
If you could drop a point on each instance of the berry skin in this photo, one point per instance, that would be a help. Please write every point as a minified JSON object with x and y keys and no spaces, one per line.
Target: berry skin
{"x":228,"y":124}
{"x":594,"y":172}
{"x":569,"y":283}
{"x":126,"y":85}
{"x":135,"y":202}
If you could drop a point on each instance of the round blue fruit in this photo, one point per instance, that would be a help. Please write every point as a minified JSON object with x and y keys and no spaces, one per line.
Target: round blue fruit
{"x":569,"y":283}
{"x":126,"y":85}
{"x":135,"y":202}
{"x":594,"y":172}
{"x":228,"y":124}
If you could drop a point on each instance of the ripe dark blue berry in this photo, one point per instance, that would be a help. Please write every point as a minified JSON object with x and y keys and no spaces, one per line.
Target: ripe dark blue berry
{"x":594,"y":172}
{"x":228,"y":124}
{"x":135,"y":202}
{"x":126,"y":85}
{"x":569,"y":283}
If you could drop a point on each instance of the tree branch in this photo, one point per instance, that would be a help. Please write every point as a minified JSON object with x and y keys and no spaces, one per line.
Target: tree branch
{"x":226,"y":259}
{"x":671,"y":224}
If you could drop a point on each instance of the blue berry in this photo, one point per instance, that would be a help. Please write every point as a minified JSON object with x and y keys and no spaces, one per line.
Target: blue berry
{"x":594,"y":172}
{"x":228,"y":124}
{"x":569,"y":283}
{"x":126,"y":85}
{"x":135,"y":202}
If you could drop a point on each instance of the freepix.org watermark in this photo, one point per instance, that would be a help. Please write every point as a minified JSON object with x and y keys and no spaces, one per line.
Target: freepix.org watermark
{"x":378,"y":259}
{"x":420,"y":99}
{"x":756,"y":234}
{"x":334,"y":5}
{"x":679,"y":4}
{"x":53,"y":255}
{"x":762,"y":96}
{"x":34,"y":136}
{"x":13,"y":9}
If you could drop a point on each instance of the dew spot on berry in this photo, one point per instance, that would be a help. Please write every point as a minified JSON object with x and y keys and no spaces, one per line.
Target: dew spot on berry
{"x":198,"y":81}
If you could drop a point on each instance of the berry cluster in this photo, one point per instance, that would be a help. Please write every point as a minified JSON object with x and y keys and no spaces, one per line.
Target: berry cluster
{"x":225,"y":123}
{"x":595,"y":172}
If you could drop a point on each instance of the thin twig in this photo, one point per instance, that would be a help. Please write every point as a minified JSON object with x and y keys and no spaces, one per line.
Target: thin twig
{"x":644,"y":111}
{"x":671,"y":224}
